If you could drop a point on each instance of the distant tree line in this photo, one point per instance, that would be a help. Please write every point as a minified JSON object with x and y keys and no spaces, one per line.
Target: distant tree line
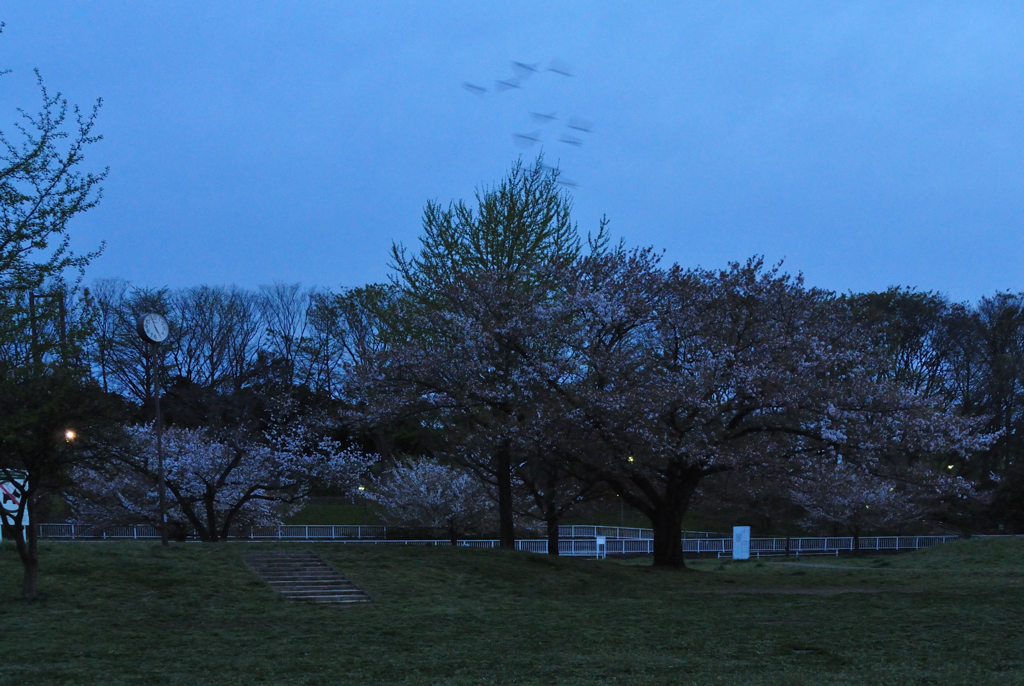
{"x":557,"y":368}
{"x":547,"y":367}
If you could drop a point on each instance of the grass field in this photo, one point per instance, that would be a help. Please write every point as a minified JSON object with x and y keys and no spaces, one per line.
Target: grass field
{"x":122,"y":613}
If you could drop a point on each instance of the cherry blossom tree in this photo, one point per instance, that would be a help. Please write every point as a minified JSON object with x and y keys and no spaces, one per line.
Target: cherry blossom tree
{"x":426,"y":493}
{"x":688,"y":373}
{"x":547,"y":488}
{"x":216,"y":483}
{"x":843,"y":494}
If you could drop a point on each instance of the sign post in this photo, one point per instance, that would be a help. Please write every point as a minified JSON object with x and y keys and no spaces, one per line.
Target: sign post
{"x":741,"y":543}
{"x":11,"y":501}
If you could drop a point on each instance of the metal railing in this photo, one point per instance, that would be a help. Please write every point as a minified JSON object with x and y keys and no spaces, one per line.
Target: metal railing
{"x":76,"y":531}
{"x":587,"y":531}
{"x":311,"y":532}
{"x":810,"y":545}
{"x":723,"y":546}
{"x":569,"y":547}
{"x":574,"y":541}
{"x":316,"y":532}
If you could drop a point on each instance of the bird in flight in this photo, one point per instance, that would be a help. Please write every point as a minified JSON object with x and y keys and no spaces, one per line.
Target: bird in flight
{"x":571,"y":140}
{"x":579,"y":124}
{"x":507,"y":85}
{"x":474,"y":89}
{"x":524,"y":70}
{"x":559,"y":67}
{"x":544,"y":118}
{"x":527,"y":139}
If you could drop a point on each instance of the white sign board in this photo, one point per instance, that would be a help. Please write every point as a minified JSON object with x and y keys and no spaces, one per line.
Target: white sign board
{"x":602,"y":546}
{"x":741,"y":543}
{"x":10,"y":500}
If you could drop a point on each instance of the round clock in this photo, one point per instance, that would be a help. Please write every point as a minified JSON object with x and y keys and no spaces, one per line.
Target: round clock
{"x":152,"y":327}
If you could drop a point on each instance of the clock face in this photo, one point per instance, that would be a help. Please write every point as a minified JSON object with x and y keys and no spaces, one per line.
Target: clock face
{"x":153,"y":327}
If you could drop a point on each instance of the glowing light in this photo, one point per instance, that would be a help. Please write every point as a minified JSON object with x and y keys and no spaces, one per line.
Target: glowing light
{"x":362,"y":488}
{"x":949,"y":467}
{"x":69,"y":435}
{"x":630,"y":458}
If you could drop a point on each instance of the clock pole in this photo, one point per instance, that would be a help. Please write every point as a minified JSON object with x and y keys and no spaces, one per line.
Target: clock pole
{"x":153,"y":329}
{"x":161,"y":486}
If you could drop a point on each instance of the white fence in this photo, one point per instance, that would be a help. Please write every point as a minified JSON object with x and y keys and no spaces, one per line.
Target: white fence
{"x":578,"y":531}
{"x":576,"y":541}
{"x":329,"y":532}
{"x":823,"y":545}
{"x":759,"y":547}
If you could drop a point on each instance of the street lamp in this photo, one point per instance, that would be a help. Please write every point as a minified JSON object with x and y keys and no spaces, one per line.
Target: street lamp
{"x":70,"y":435}
{"x":153,"y":329}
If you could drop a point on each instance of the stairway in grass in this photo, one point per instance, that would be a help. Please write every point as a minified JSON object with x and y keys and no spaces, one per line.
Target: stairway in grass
{"x":302,"y":575}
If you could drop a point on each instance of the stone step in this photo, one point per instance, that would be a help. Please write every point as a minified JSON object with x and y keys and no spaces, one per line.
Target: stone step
{"x":302,"y":575}
{"x":301,"y":592}
{"x":316,"y":592}
{"x":305,"y":582}
{"x":315,"y":587}
{"x":334,"y":601}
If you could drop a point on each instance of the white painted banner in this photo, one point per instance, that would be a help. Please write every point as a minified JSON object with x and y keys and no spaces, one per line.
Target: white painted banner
{"x":741,"y":543}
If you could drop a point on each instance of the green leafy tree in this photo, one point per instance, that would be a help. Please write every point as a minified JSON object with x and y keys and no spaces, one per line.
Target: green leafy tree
{"x":49,"y":423}
{"x":461,"y":328}
{"x":43,"y":186}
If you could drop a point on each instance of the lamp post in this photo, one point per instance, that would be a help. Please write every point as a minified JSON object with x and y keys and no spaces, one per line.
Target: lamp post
{"x":153,"y":329}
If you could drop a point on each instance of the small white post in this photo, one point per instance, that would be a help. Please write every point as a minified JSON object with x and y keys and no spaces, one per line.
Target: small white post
{"x":741,"y":543}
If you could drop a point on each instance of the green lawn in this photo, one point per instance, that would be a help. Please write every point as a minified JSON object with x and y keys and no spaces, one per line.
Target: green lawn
{"x":335,"y":513}
{"x":113,"y":613}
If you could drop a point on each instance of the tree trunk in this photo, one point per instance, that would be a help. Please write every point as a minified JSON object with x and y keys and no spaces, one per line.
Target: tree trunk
{"x":31,"y":564}
{"x":209,"y":501}
{"x":667,"y":519}
{"x":668,"y":544}
{"x":506,"y":521}
{"x":552,"y":520}
{"x":26,"y":540}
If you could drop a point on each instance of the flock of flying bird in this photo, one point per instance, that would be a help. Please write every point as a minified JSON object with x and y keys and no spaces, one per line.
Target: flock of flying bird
{"x":575,"y":127}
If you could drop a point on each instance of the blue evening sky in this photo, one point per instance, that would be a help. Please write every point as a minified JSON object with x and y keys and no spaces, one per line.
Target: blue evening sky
{"x":867,"y":144}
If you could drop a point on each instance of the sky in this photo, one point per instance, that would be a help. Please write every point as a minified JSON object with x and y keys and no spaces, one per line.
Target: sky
{"x":864,"y":144}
